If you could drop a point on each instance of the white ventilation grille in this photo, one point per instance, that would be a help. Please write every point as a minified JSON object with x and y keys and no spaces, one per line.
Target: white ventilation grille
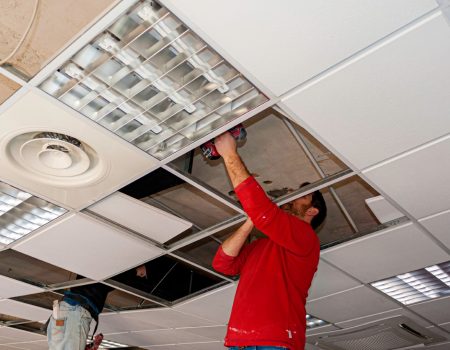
{"x":152,"y":81}
{"x":374,"y":342}
{"x":416,"y":286}
{"x":22,"y":213}
{"x":57,"y":159}
{"x":394,"y":333}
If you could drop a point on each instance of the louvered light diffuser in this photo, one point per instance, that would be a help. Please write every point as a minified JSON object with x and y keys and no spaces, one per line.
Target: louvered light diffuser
{"x":313,"y":322}
{"x":108,"y":344}
{"x":413,"y":287}
{"x":22,"y":213}
{"x":152,"y":81}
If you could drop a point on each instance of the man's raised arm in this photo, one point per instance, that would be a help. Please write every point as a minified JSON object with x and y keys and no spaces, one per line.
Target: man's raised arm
{"x":226,"y":146}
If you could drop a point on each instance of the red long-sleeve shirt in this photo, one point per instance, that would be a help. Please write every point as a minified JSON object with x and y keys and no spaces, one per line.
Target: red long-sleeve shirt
{"x":275,"y":275}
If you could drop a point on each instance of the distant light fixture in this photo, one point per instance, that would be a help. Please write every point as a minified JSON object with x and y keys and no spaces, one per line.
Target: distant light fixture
{"x":22,"y":213}
{"x":108,"y":344}
{"x":313,"y":322}
{"x":152,"y":81}
{"x":416,"y":286}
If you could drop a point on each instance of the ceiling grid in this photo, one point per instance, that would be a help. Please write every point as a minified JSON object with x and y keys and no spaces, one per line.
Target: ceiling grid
{"x":350,"y":119}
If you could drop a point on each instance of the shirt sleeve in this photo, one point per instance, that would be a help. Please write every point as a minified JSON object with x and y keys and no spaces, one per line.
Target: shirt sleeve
{"x":229,"y":265}
{"x":281,"y":227}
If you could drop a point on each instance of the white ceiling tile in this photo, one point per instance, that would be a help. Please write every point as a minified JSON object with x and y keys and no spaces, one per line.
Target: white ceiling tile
{"x":116,"y":164}
{"x":311,"y":347}
{"x":356,"y":302}
{"x":443,"y":346}
{"x":382,"y":209}
{"x":140,"y":217}
{"x":384,"y":315}
{"x":438,"y":225}
{"x":215,"y":306}
{"x":440,"y":332}
{"x":24,"y":311}
{"x":8,"y":347}
{"x":33,"y":345}
{"x":216,"y":345}
{"x":119,"y":323}
{"x":320,"y":330}
{"x":287,"y":43}
{"x":148,"y":320}
{"x":156,"y":337}
{"x":88,"y":247}
{"x":354,"y":108}
{"x":10,"y":288}
{"x":446,"y":326}
{"x":418,"y":180}
{"x":329,"y":280}
{"x":17,"y":335}
{"x":387,"y":253}
{"x":436,"y":310}
{"x":211,"y":332}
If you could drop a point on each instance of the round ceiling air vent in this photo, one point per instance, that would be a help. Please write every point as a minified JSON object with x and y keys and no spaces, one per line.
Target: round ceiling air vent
{"x":56,"y":159}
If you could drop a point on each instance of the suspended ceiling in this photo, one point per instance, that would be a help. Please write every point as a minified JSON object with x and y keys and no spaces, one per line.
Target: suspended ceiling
{"x":363,"y":85}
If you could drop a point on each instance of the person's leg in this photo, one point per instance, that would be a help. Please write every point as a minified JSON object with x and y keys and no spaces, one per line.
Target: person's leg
{"x":70,"y":330}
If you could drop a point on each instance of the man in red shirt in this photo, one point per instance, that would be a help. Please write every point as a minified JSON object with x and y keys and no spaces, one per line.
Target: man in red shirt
{"x":275,"y":273}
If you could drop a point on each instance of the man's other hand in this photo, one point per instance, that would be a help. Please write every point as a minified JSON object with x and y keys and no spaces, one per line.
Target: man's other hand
{"x":141,"y":271}
{"x":225,"y":145}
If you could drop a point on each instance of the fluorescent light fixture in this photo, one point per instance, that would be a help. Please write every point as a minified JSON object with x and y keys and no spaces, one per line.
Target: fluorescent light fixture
{"x":22,"y":213}
{"x":416,"y":286}
{"x":108,"y":344}
{"x":313,"y":322}
{"x":152,"y":81}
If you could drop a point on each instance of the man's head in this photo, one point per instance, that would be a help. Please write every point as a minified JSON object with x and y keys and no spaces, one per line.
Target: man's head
{"x":310,"y":208}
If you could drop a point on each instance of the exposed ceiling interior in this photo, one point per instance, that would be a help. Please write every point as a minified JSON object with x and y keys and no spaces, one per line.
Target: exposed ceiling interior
{"x":104,"y":105}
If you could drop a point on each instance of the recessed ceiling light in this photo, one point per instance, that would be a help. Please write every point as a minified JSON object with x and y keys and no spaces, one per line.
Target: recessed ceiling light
{"x":413,"y":287}
{"x":22,"y":213}
{"x":313,"y":322}
{"x":108,"y":344}
{"x":152,"y":81}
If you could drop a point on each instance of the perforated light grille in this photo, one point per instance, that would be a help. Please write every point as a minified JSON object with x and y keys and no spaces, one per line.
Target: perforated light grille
{"x":152,"y":81}
{"x":380,"y":341}
{"x":413,"y":287}
{"x":22,"y":213}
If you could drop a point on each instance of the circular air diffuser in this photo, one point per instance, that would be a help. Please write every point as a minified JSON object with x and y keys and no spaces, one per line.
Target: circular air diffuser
{"x":57,"y":158}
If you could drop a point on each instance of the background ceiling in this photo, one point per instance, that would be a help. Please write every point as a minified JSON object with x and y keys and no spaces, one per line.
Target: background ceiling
{"x":357,"y":103}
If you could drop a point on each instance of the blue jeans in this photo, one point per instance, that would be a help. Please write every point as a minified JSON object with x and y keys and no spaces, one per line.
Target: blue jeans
{"x":70,"y":330}
{"x":257,"y":348}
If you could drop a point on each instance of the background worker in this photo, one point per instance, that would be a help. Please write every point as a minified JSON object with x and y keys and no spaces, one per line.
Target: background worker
{"x":275,"y":272}
{"x":69,"y":325}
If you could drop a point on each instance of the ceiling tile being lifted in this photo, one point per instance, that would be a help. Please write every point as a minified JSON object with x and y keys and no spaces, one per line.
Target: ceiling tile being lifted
{"x":382,"y":209}
{"x":22,"y":310}
{"x":86,"y":246}
{"x":140,"y":217}
{"x":12,"y":288}
{"x":62,"y":157}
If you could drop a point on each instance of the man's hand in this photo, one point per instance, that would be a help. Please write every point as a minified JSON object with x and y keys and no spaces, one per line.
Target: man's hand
{"x":233,"y":244}
{"x":227,"y":148}
{"x":226,"y":145}
{"x":141,"y":271}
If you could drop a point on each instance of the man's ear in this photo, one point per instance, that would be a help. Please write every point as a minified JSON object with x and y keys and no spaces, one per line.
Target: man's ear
{"x":312,"y":211}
